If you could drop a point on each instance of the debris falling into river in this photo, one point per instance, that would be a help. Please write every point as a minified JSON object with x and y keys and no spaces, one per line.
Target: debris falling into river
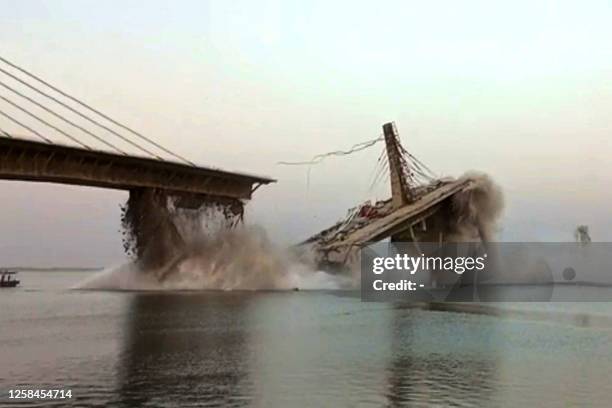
{"x":210,"y":248}
{"x":200,"y":242}
{"x":201,"y":249}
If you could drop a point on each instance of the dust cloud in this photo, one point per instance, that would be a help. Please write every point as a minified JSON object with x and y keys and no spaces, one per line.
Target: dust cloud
{"x":477,"y":209}
{"x":242,"y":258}
{"x":208,"y":252}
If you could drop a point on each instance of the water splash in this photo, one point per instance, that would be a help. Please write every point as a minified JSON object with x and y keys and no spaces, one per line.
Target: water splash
{"x":226,"y":257}
{"x":238,"y":259}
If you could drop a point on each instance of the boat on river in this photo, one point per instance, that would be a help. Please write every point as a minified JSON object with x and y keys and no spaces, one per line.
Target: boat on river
{"x":8,"y":278}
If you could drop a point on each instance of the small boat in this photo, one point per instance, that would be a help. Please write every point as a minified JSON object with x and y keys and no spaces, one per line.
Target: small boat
{"x":7,"y":279}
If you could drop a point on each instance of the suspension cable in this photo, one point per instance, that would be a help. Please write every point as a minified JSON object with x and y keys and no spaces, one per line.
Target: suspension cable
{"x":70,"y":108}
{"x":12,"y":119}
{"x":112,"y":146}
{"x":27,"y":112}
{"x":5,"y":133}
{"x":90,"y":108}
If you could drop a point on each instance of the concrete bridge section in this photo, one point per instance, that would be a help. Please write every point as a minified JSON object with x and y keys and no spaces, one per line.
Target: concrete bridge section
{"x":28,"y":160}
{"x":414,"y":213}
{"x":152,"y":184}
{"x":399,"y":224}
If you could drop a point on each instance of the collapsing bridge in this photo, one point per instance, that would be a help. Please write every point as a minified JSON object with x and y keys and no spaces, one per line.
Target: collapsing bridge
{"x":416,"y":212}
{"x":157,"y":185}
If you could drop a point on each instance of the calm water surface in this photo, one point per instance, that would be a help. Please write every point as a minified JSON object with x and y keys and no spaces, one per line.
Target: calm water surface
{"x":293,"y":349}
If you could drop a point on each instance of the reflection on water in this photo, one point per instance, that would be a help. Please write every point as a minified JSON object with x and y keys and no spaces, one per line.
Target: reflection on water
{"x":185,"y":349}
{"x":245,"y":348}
{"x":295,"y":349}
{"x":425,"y":375}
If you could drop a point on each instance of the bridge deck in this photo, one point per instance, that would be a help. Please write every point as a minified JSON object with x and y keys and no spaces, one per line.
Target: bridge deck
{"x":398,"y":220}
{"x":28,"y":160}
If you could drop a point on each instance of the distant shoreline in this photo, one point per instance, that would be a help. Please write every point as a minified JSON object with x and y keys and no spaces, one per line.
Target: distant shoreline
{"x":54,"y":269}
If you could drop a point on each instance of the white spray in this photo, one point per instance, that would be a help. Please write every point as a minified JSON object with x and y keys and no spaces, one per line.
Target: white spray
{"x":244,"y":258}
{"x":238,"y":259}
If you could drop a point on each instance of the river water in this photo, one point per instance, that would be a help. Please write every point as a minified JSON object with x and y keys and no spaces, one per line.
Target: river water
{"x":293,"y":349}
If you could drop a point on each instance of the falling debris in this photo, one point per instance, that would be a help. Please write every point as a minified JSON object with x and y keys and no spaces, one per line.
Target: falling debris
{"x":241,"y":258}
{"x":158,"y":227}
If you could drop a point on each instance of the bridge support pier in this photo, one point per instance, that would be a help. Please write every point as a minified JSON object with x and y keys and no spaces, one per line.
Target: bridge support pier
{"x":159,"y":191}
{"x":153,"y":220}
{"x":153,"y":235}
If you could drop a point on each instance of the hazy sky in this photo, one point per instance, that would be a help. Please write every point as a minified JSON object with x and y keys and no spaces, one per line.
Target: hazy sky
{"x":519,"y":89}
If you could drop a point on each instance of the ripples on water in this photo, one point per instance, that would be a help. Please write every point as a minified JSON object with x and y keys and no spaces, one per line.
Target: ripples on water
{"x":283,"y":349}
